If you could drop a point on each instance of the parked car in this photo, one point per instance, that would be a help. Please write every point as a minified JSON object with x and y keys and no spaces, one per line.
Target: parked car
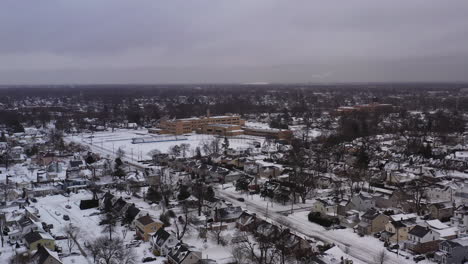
{"x":148,"y":259}
{"x":68,"y":206}
{"x":66,"y":218}
{"x":34,"y":200}
{"x":419,"y":258}
{"x":240,"y":199}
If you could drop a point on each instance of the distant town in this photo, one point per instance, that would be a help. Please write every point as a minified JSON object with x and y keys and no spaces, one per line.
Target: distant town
{"x":234,"y":174}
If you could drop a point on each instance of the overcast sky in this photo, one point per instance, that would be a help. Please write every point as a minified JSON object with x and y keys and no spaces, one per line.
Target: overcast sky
{"x":216,"y":41}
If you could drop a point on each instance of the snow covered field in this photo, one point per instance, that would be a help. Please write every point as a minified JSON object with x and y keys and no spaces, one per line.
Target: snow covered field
{"x":109,"y":142}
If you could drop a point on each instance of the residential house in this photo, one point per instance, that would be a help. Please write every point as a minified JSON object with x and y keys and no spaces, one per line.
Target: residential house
{"x":422,"y":240}
{"x":246,"y":222}
{"x":460,"y":218}
{"x":362,"y":202}
{"x":371,"y":222}
{"x":45,"y":256}
{"x":146,"y":227}
{"x":227,"y":214}
{"x":183,"y":254}
{"x":35,"y":239}
{"x":163,"y":242}
{"x":397,"y":231}
{"x":452,"y":251}
{"x":440,"y":194}
{"x":444,"y":231}
{"x":441,"y":210}
{"x":326,"y":208}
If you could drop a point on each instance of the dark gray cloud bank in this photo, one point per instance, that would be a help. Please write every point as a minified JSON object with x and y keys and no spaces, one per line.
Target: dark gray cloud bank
{"x":216,"y":41}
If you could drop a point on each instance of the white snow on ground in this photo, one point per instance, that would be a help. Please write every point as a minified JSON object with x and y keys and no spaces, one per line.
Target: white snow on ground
{"x":52,"y":209}
{"x":109,"y":142}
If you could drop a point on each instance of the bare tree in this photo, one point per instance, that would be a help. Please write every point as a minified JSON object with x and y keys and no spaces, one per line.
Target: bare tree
{"x":120,"y":153}
{"x":184,"y":148}
{"x":211,"y":147}
{"x":109,"y":224}
{"x":181,"y":223}
{"x":112,"y":251}
{"x":381,"y":257}
{"x":71,"y":232}
{"x":260,"y":251}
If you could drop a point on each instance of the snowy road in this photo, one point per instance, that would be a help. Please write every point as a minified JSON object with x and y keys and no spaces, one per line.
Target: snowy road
{"x":364,"y":249}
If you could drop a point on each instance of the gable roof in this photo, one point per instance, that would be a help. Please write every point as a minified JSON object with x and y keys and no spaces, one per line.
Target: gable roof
{"x":419,"y":231}
{"x":42,"y":254}
{"x":179,"y":252}
{"x":371,"y":214}
{"x":161,"y":236}
{"x":32,"y":237}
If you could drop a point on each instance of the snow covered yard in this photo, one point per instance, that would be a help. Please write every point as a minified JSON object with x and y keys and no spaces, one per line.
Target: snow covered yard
{"x":52,"y":210}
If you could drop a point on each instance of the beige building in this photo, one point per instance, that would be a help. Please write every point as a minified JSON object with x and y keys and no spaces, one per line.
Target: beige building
{"x":146,"y":226}
{"x":34,"y":239}
{"x":188,"y":125}
{"x":223,"y":130}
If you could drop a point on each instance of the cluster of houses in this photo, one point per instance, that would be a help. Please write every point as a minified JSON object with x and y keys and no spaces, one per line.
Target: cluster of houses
{"x":421,"y":235}
{"x":24,"y":231}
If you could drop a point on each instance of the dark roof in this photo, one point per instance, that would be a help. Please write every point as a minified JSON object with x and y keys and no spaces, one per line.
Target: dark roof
{"x":42,"y":255}
{"x":32,"y":237}
{"x":229,"y":212}
{"x":119,"y":204}
{"x":398,"y":224}
{"x":145,"y":220}
{"x":132,"y":211}
{"x":87,"y":204}
{"x":25,"y":221}
{"x":76,"y":163}
{"x":419,"y":231}
{"x":371,"y":214}
{"x":179,"y":252}
{"x":161,"y":236}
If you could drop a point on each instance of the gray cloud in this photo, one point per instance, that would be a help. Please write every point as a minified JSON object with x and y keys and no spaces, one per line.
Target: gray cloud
{"x":156,"y":41}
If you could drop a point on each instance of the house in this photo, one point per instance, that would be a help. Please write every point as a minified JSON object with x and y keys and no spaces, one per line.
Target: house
{"x":295,"y":244}
{"x":397,"y":231}
{"x":183,"y":254}
{"x":163,"y":242}
{"x":45,"y":256}
{"x":444,"y":231}
{"x":371,"y":222}
{"x":422,"y":240}
{"x":34,"y":239}
{"x":460,"y":218}
{"x":440,"y":194}
{"x":246,"y":222}
{"x":362,"y":202}
{"x":26,"y":225}
{"x":146,"y":226}
{"x":441,"y":211}
{"x":227,"y":214}
{"x":452,"y":251}
{"x":325,"y":207}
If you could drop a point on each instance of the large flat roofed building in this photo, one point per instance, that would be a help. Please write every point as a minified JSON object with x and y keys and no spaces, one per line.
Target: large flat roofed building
{"x":188,"y":125}
{"x":281,"y":134}
{"x":227,"y":130}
